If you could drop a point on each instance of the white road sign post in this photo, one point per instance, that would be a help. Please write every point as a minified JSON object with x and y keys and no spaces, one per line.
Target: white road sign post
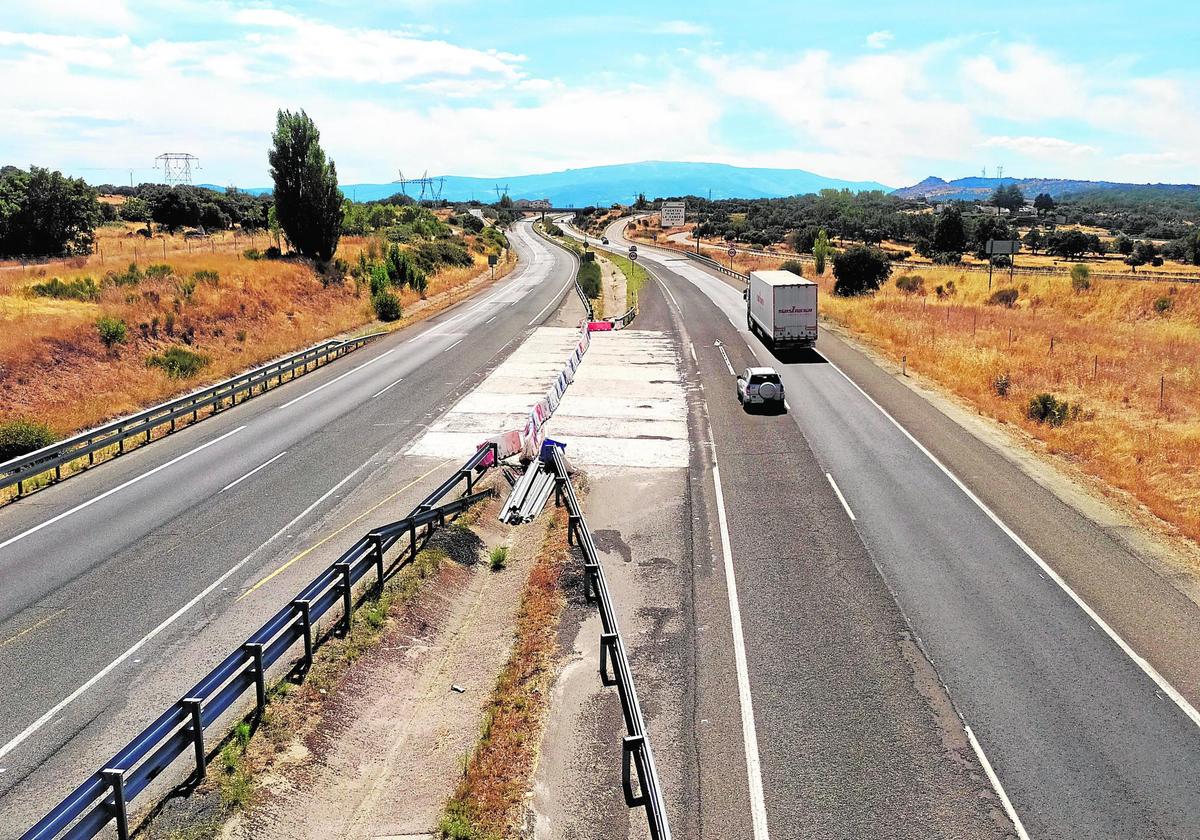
{"x":732,"y":254}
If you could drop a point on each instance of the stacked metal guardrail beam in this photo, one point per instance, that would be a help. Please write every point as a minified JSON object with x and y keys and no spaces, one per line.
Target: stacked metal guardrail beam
{"x":104,"y":797}
{"x":614,"y":663}
{"x":97,"y":441}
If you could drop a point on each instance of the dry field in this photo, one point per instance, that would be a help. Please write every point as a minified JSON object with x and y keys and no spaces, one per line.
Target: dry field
{"x":55,"y":370}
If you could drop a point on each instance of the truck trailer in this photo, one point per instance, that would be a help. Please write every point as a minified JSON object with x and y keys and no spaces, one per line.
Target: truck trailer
{"x":781,"y":308}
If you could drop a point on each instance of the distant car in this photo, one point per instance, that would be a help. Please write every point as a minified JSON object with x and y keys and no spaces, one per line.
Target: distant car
{"x":760,"y":386}
{"x":603,"y":240}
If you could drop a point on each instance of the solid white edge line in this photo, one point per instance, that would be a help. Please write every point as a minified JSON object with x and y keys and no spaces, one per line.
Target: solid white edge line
{"x":119,"y":487}
{"x":668,"y":291}
{"x":263,"y":465}
{"x":692,"y":347}
{"x":1022,"y":834}
{"x":758,"y":808}
{"x":308,"y":394}
{"x":387,"y":388}
{"x":841,"y":498}
{"x":1148,"y":669}
{"x":553,"y":301}
{"x":74,"y":695}
{"x":452,"y":346}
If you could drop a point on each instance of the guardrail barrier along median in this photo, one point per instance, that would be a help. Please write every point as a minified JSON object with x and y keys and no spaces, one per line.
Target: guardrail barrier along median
{"x":614,"y":663}
{"x":105,"y":796}
{"x":97,"y":441}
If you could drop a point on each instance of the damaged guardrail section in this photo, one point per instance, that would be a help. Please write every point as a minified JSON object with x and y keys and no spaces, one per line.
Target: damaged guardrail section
{"x":141,"y":425}
{"x":104,"y":797}
{"x":614,"y":664}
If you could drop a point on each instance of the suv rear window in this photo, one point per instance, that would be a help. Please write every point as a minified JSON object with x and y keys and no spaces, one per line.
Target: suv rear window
{"x":760,"y":378}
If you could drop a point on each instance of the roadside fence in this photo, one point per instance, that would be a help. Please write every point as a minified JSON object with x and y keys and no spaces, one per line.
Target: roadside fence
{"x":101,"y":441}
{"x":105,"y":796}
{"x":637,"y":754}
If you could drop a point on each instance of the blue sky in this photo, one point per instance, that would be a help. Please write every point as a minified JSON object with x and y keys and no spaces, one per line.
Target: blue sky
{"x":884,"y":91}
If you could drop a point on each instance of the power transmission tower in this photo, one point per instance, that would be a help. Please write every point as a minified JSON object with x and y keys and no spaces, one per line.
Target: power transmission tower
{"x":176,"y":167}
{"x":999,"y":171}
{"x":426,"y":184}
{"x":500,"y":191}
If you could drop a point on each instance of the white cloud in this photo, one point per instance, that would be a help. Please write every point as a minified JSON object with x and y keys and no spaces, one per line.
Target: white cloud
{"x":879,"y":40}
{"x":679,"y":27}
{"x":1046,"y":148}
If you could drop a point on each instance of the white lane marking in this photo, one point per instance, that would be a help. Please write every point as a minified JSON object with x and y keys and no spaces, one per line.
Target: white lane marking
{"x":758,"y":808}
{"x":692,"y":347}
{"x":553,"y":301}
{"x":489,"y":320}
{"x":116,"y":489}
{"x":387,"y":388}
{"x":725,"y":357}
{"x":238,"y":481}
{"x":1148,"y":669}
{"x":1022,"y":834}
{"x":668,"y":291}
{"x":452,"y":346}
{"x":841,"y":498}
{"x":74,"y":695}
{"x":338,"y":378}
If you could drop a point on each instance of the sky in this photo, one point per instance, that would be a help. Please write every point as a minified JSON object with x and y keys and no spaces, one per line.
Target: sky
{"x":884,"y":91}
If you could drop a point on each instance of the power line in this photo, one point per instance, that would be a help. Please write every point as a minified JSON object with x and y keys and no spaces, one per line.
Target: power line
{"x":176,"y":166}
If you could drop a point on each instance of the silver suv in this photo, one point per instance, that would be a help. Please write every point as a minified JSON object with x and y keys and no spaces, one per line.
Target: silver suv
{"x":760,"y":386}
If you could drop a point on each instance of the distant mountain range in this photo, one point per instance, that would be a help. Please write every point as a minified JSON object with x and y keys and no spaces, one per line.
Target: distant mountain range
{"x":604,"y":185}
{"x":973,"y":189}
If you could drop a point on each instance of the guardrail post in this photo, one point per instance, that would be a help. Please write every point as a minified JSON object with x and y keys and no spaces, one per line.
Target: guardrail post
{"x":591,"y":582}
{"x":255,"y":649}
{"x":572,"y":528}
{"x":469,"y":475}
{"x":608,"y":647}
{"x":347,"y":604}
{"x":631,"y":744}
{"x":120,"y":441}
{"x":377,"y":543}
{"x":306,"y":628}
{"x":412,"y":539}
{"x":116,"y":780}
{"x":192,"y":704}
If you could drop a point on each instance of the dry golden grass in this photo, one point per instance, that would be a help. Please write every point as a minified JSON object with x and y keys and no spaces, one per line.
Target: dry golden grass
{"x":54,"y":369}
{"x":1107,"y":350}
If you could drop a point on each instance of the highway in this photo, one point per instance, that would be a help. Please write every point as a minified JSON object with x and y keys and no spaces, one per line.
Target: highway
{"x":182,"y":547}
{"x":1086,"y":724}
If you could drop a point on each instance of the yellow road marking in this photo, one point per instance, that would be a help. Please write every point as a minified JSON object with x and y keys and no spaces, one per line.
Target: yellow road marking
{"x":34,"y":626}
{"x":333,"y":534}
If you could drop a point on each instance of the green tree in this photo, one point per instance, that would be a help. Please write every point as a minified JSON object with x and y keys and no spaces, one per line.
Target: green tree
{"x":1044,"y":203}
{"x":949,"y":234}
{"x":860,"y":269}
{"x":44,"y":213}
{"x":112,"y":331}
{"x":1009,"y":196}
{"x":307,"y":199}
{"x":1033,"y":240}
{"x":820,"y":250}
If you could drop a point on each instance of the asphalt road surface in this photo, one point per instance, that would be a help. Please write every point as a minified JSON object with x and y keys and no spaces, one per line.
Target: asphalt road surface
{"x":1086,"y":723}
{"x":172,"y":547}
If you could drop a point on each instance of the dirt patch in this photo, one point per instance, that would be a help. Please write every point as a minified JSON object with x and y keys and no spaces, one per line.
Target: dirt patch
{"x":490,"y":799}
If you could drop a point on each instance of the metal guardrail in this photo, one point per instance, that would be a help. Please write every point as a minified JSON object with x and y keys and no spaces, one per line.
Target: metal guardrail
{"x":636,"y":751}
{"x":711,"y":263}
{"x":21,"y":469}
{"x":105,"y":796}
{"x":587,"y":304}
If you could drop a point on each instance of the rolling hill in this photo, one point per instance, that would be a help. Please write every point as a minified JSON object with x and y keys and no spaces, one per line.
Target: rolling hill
{"x":602,"y":185}
{"x":977,"y":188}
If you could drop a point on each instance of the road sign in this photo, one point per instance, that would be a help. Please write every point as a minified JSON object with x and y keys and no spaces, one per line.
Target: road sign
{"x":493,"y":259}
{"x":996,"y":247}
{"x":732,"y":251}
{"x":633,"y":256}
{"x":633,"y":248}
{"x":672,"y":213}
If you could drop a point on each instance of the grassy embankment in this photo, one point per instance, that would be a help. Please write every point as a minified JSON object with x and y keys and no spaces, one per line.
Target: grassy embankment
{"x":635,"y":277}
{"x":232,"y":311}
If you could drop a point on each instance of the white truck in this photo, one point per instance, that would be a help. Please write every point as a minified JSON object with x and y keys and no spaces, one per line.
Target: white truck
{"x":781,"y":307}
